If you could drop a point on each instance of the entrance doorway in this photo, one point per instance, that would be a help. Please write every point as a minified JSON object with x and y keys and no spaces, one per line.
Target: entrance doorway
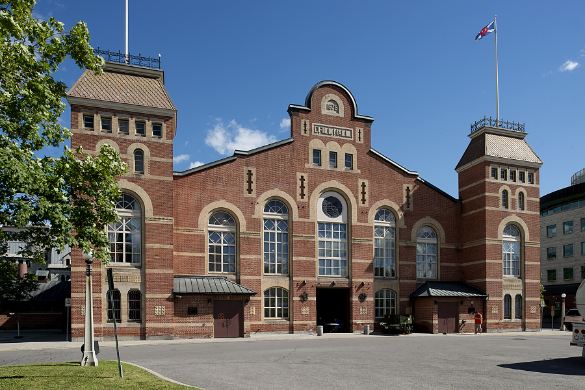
{"x":447,"y":317}
{"x":227,"y":318}
{"x":333,"y":303}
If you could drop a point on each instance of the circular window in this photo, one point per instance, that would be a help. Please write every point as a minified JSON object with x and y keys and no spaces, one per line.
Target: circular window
{"x":332,"y":207}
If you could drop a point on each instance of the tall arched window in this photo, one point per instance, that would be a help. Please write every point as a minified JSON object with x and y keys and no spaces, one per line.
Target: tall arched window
{"x":521,"y":201}
{"x":138,"y":161}
{"x":505,"y":199}
{"x":332,"y":235}
{"x":511,"y":251}
{"x":222,"y":243}
{"x":276,"y":303}
{"x":426,"y":253}
{"x":384,"y":244}
{"x":518,"y":306}
{"x":275,"y":238}
{"x":126,"y":236}
{"x":507,"y":306}
{"x":384,"y":303}
{"x":117,"y":298}
{"x":134,"y":305}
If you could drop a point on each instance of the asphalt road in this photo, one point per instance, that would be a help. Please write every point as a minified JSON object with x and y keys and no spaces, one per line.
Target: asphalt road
{"x":488,"y":361}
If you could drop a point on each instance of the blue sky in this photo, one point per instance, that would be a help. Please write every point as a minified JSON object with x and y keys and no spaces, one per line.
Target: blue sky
{"x":233,"y":67}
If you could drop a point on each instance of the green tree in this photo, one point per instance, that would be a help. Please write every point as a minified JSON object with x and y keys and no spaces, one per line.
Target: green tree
{"x":12,"y":287}
{"x":62,"y":200}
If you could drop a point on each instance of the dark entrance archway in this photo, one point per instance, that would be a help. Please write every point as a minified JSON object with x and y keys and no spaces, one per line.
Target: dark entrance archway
{"x":333,"y":303}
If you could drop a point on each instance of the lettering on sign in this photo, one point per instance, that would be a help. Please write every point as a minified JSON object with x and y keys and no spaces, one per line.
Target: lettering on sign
{"x":332,"y":131}
{"x":332,"y":105}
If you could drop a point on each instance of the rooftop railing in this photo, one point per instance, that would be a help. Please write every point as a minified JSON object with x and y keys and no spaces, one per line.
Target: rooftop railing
{"x":578,"y":177}
{"x":501,"y":124}
{"x":119,"y":57}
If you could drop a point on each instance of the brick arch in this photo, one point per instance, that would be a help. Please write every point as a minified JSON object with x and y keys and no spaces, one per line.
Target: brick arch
{"x":106,"y":141}
{"x":514,"y":220}
{"x":333,"y":146}
{"x":142,"y":195}
{"x":387,"y":204}
{"x":130,"y":156}
{"x":316,"y":143}
{"x":333,"y":185}
{"x":219,"y":206}
{"x":280,"y":195}
{"x":428,"y":221}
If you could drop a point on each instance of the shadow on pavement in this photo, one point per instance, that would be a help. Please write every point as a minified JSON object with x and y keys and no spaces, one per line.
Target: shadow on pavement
{"x":562,"y":366}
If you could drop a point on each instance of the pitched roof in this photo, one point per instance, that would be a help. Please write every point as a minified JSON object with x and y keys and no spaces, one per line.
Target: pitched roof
{"x":52,"y":291}
{"x":558,"y":289}
{"x":208,"y":285}
{"x":501,"y":146}
{"x":122,"y":88}
{"x":447,"y":289}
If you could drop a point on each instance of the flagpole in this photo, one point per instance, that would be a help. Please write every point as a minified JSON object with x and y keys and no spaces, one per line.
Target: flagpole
{"x":497,"y":86}
{"x":126,"y":46}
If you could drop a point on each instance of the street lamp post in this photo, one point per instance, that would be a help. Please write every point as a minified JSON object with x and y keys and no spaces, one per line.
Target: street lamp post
{"x":563,"y":295}
{"x":89,"y":358}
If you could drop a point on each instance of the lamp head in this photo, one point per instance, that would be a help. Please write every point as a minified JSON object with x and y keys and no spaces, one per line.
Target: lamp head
{"x":88,"y":257}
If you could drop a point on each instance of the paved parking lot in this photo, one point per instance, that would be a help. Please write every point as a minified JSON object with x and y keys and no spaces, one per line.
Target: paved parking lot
{"x":488,"y":361}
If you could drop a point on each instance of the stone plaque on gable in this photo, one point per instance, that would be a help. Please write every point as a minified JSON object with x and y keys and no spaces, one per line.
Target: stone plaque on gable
{"x":332,"y":131}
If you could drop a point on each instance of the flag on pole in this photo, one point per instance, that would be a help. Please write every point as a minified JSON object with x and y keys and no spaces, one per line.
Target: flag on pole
{"x":485,"y":31}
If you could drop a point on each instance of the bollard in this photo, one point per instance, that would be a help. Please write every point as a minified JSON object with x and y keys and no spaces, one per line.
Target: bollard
{"x":366,"y":329}
{"x":319,"y":330}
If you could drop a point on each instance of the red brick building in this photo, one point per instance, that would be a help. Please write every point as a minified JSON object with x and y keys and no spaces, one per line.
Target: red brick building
{"x":305,"y":231}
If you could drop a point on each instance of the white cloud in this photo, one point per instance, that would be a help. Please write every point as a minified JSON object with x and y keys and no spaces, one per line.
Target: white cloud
{"x":569,"y":65}
{"x":284,"y":124}
{"x":186,"y":142}
{"x":195,"y":164}
{"x":182,"y":157}
{"x":227,"y":138}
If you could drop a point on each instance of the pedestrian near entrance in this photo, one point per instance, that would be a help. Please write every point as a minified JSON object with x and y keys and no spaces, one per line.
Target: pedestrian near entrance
{"x":478,"y":321}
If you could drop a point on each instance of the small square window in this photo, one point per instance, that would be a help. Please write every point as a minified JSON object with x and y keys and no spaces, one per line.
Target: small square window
{"x":530,"y":178}
{"x":568,"y":250}
{"x":107,"y":125}
{"x":349,"y":161}
{"x":88,"y":122}
{"x":551,"y":275}
{"x":494,"y":173}
{"x":157,"y":130}
{"x":512,"y":175}
{"x":551,"y":253}
{"x":568,"y":227}
{"x":504,"y":174}
{"x":123,"y":126}
{"x":521,"y":177}
{"x":551,"y":231}
{"x":140,"y":128}
{"x":568,"y":273}
{"x":333,"y":159}
{"x":317,"y":157}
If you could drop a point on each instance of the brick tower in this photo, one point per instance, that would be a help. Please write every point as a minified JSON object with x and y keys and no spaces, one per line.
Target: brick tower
{"x":499,"y":190}
{"x":129,"y":108}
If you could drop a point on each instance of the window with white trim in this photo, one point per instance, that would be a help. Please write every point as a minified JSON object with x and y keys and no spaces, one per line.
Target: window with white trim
{"x":511,"y":251}
{"x":275,"y":238}
{"x":276,"y":303}
{"x":332,"y":235}
{"x":88,"y":122}
{"x":384,"y":244}
{"x":384,"y":303}
{"x":222,"y":243}
{"x":125,"y":236}
{"x":426,"y":253}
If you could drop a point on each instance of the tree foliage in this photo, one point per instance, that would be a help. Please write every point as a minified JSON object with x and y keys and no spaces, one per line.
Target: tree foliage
{"x":12,"y":287}
{"x":62,"y":200}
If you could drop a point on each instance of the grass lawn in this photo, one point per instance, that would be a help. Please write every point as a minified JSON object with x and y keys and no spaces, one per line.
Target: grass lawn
{"x":71,"y":375}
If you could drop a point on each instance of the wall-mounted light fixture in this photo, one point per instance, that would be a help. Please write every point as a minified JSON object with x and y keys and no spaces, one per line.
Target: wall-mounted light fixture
{"x":362,"y":283}
{"x":304,"y":296}
{"x":334,"y":283}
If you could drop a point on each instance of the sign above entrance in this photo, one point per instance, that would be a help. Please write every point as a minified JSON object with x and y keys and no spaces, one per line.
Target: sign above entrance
{"x":332,"y":131}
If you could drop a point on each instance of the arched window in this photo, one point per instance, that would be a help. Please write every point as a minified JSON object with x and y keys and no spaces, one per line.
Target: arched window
{"x":332,"y":235}
{"x":385,"y":303}
{"x":276,"y":303}
{"x":222,"y":243}
{"x":117,"y":299}
{"x":138,"y":161}
{"x":518,"y":306}
{"x":426,"y":253}
{"x":384,"y":244}
{"x":275,"y":238}
{"x":505,"y":199}
{"x":507,"y":306}
{"x":511,"y":251}
{"x":134,"y":305}
{"x":521,"y":201}
{"x":126,"y":236}
{"x":62,"y":278}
